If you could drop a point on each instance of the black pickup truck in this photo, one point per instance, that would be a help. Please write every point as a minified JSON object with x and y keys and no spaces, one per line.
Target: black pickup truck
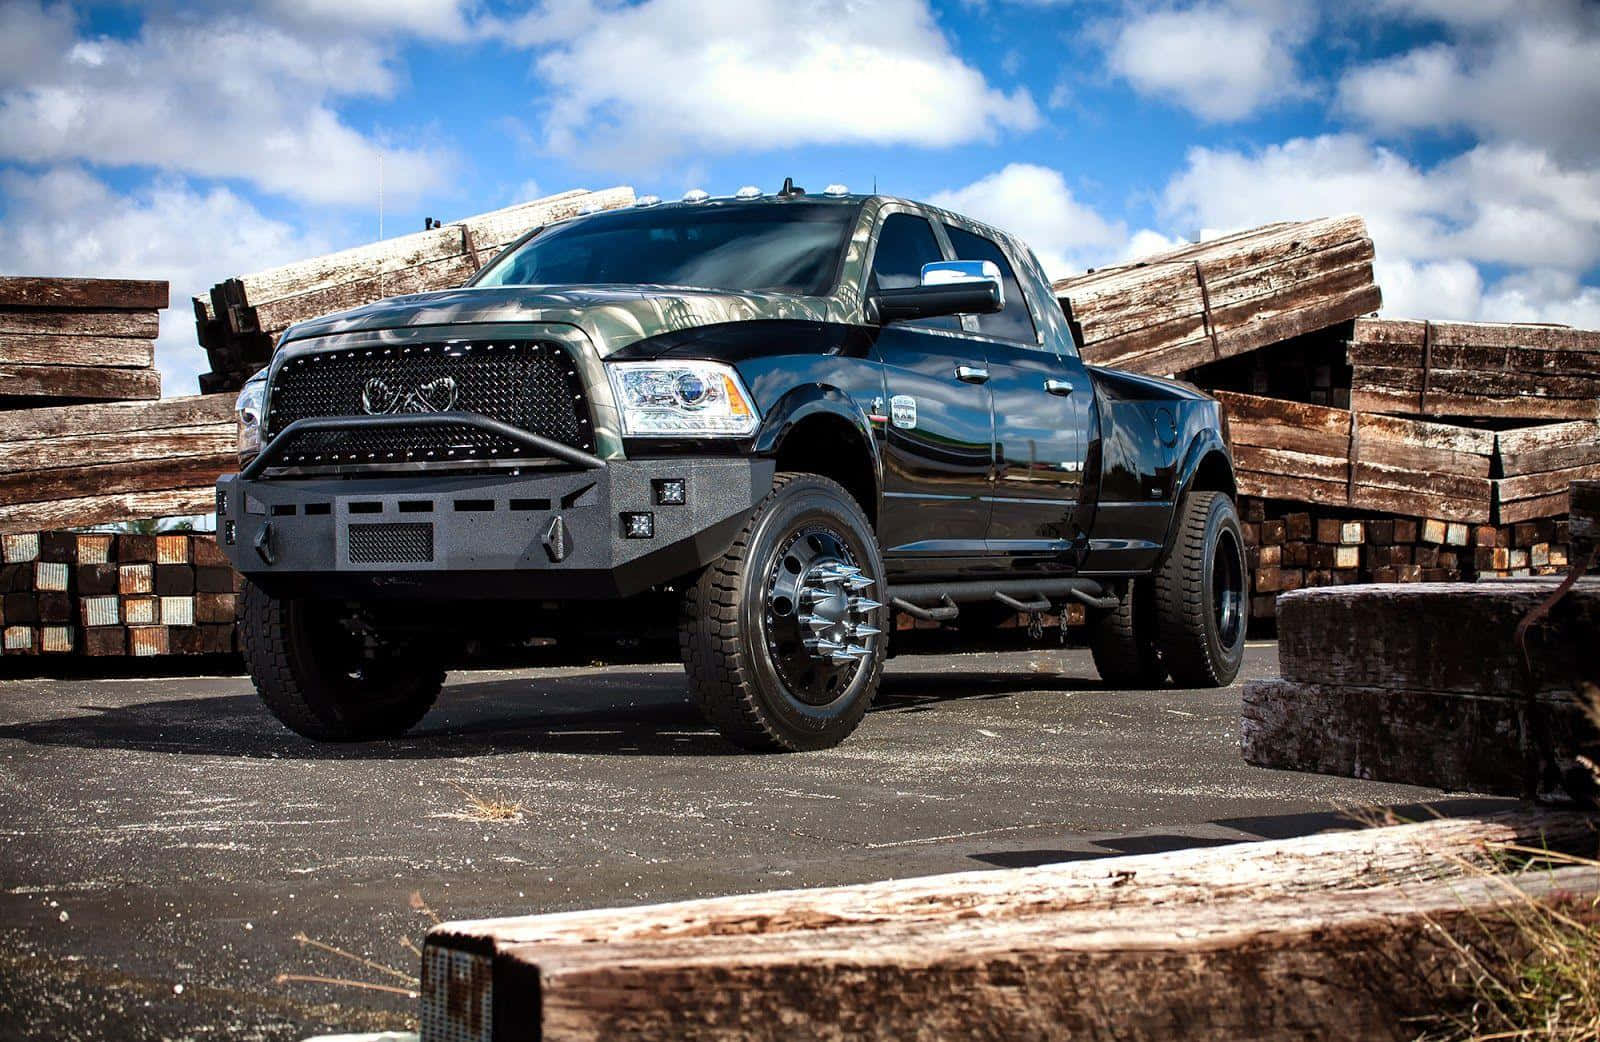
{"x":771,"y":420}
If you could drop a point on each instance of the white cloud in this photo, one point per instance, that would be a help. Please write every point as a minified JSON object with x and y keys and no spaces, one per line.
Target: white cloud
{"x":66,"y":222}
{"x":436,"y":19}
{"x":1035,"y":204}
{"x":1507,"y":208}
{"x":1221,"y":61}
{"x":228,"y":96}
{"x":641,"y":83}
{"x":1526,"y":73}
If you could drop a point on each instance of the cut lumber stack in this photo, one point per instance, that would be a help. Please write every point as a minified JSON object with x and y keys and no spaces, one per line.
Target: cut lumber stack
{"x":1537,"y":465}
{"x":1344,"y":935}
{"x":106,"y":594}
{"x":1290,"y":547}
{"x":1223,"y":297}
{"x":94,"y":464}
{"x":1347,"y":458}
{"x":1429,"y":685}
{"x":78,"y":340}
{"x":242,"y":318}
{"x":1475,"y":369}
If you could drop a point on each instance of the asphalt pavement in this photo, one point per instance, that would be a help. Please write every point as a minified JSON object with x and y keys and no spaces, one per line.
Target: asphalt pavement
{"x":174,"y":860}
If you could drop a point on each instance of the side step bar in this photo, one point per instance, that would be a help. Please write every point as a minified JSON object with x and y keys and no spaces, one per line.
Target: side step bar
{"x":939,"y":602}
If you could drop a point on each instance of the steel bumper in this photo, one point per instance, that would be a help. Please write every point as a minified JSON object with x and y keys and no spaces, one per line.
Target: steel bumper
{"x":547,"y":535}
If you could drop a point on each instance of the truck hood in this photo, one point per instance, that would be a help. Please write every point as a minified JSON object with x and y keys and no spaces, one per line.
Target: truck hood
{"x":611,"y":316}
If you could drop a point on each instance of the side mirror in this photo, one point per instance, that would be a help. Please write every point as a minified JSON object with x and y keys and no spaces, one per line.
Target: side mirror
{"x":947,"y":288}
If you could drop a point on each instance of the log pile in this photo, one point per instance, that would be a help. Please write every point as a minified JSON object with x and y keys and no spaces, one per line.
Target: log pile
{"x":78,"y":340}
{"x":1344,"y":935}
{"x":1223,"y":297}
{"x":241,"y":319}
{"x":103,"y":594}
{"x":1476,"y":370}
{"x":1431,"y":686}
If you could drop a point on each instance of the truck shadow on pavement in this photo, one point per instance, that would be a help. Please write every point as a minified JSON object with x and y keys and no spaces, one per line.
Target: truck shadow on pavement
{"x":614,"y":712}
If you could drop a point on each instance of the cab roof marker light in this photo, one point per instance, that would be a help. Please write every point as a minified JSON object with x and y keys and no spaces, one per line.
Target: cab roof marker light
{"x":647,"y":200}
{"x":836,"y":190}
{"x":748,"y":192}
{"x":696,"y":195}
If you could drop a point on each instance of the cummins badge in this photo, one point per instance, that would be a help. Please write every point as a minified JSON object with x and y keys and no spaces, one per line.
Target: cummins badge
{"x":903,"y":411}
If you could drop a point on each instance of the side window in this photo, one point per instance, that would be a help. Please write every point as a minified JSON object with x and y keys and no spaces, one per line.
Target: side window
{"x":905,"y":244}
{"x":1014,"y":323}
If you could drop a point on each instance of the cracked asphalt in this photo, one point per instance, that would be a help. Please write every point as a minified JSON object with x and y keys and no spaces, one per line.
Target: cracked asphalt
{"x":173,"y":858}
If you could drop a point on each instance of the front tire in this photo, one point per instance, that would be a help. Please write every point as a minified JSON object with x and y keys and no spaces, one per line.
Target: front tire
{"x":318,"y":680}
{"x":1200,"y":593}
{"x":781,"y":637}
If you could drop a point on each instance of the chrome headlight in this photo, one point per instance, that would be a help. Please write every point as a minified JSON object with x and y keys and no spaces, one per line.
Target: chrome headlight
{"x":252,"y":401}
{"x":672,"y":399}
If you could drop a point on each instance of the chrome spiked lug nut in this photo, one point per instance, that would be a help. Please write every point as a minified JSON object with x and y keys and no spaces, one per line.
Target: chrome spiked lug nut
{"x":857,"y":583}
{"x":863,"y":604}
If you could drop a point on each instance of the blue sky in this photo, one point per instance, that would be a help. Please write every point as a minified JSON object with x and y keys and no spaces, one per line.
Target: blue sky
{"x":197,"y":141}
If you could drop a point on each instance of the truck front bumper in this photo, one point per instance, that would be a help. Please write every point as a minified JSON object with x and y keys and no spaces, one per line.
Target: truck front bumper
{"x":599,"y":533}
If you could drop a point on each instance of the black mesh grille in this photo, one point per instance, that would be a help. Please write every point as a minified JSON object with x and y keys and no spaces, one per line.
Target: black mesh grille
{"x":528,"y":384}
{"x":394,"y":542}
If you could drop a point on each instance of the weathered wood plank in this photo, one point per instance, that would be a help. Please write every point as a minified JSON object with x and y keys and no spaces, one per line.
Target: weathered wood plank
{"x":1446,"y":637}
{"x":36,"y":349}
{"x":81,"y":322}
{"x":1554,"y":504}
{"x":1478,"y":334}
{"x":1479,"y":382}
{"x":1553,"y":446}
{"x":1449,"y":741}
{"x":63,"y":420}
{"x":1133,"y":961}
{"x":115,"y":478}
{"x":106,"y":509}
{"x":1544,"y":483}
{"x":275,"y":316}
{"x":28,"y":291}
{"x":78,"y":382}
{"x":89,"y":449}
{"x":1373,"y":398}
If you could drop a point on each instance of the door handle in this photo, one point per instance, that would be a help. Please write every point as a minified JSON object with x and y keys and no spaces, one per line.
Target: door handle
{"x":972,"y":374}
{"x":1059,"y":387}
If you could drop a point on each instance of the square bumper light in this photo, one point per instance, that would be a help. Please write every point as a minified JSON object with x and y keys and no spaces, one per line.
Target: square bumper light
{"x":639,"y":525}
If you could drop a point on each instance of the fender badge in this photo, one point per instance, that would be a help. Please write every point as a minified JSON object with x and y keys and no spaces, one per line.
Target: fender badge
{"x":903,"y":411}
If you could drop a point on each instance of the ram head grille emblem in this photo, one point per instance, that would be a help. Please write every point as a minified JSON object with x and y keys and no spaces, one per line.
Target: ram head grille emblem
{"x":379,"y":398}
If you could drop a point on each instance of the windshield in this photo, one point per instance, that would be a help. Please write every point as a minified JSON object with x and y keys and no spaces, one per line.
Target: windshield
{"x":769,"y":247}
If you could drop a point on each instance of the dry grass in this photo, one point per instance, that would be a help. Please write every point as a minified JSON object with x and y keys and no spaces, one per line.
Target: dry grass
{"x":1539,"y":981}
{"x":487,"y":808}
{"x":408,"y":984}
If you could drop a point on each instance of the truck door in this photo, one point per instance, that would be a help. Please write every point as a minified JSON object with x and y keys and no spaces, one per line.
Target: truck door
{"x":937,"y":451}
{"x":1040,"y":411}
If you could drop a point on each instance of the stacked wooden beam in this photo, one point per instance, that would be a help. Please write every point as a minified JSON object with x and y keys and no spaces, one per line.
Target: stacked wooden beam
{"x":1348,"y":458}
{"x":1436,"y":686}
{"x":92,"y":464}
{"x":1476,"y":369}
{"x":1348,"y":935}
{"x":104,"y":594}
{"x":239,"y":322}
{"x":1537,"y":465}
{"x":1291,"y":547}
{"x":76,"y":340}
{"x":1223,"y":297}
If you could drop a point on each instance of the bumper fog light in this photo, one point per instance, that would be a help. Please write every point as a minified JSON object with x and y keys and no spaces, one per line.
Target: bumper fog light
{"x":670,"y":492}
{"x":641,"y":525}
{"x":230,"y":534}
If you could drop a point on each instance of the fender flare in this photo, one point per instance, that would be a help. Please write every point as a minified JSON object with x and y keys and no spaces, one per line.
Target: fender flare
{"x":1202,"y":445}
{"x":803,"y":403}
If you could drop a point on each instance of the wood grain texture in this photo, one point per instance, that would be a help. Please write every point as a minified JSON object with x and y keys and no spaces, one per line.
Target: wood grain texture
{"x":184,"y":472}
{"x":73,"y":451}
{"x":1462,"y":743}
{"x":106,"y":509}
{"x":84,"y":322}
{"x":39,"y":349}
{"x":27,"y":291}
{"x":78,"y":382}
{"x":1449,"y":637}
{"x":57,"y":421}
{"x":1193,"y":944}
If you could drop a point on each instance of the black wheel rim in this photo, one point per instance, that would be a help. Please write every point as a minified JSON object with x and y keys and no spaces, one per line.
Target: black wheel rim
{"x":817,"y":615}
{"x":1227,"y":588}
